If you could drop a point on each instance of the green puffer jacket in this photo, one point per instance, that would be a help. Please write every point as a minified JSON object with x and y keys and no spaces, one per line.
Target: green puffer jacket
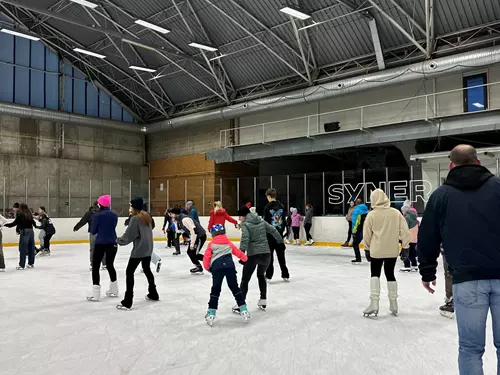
{"x":254,"y":235}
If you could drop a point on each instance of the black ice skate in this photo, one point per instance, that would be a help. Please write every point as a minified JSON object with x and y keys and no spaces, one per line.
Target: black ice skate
{"x":355,"y":261}
{"x":176,"y":253}
{"x":198,"y":270}
{"x":448,"y":309}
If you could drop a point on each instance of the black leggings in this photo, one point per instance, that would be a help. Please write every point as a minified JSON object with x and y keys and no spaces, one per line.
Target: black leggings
{"x":132,"y":265}
{"x":194,"y":253}
{"x":349,"y":234}
{"x":307,"y":228}
{"x":46,"y":242}
{"x":389,"y":265}
{"x":261,"y":262}
{"x":296,"y":233}
{"x":99,"y":251}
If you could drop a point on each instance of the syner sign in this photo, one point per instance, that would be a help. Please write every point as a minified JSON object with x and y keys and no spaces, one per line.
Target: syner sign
{"x":399,"y":191}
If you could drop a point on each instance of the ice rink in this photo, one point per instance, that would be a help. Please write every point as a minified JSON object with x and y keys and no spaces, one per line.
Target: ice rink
{"x":314,"y":324}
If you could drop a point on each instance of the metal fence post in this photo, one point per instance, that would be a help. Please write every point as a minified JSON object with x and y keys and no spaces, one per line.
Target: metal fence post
{"x":271,"y":181}
{"x":129,"y":190}
{"x":343,"y":188}
{"x":255,"y":191}
{"x":90,"y":193}
{"x":26,"y":190}
{"x":438,"y":175}
{"x":149,"y":195}
{"x":168,"y":193}
{"x":288,"y":192}
{"x":111,"y":204}
{"x":69,"y":197}
{"x":411,"y":187}
{"x":220,"y":190}
{"x":365,"y":193}
{"x":324,"y":194}
{"x":305,"y":190}
{"x":48,"y":196}
{"x":237,"y":193}
{"x":387,"y":182}
{"x":4,"y":195}
{"x":203,"y":195}
{"x":498,"y":167}
{"x":185,"y":190}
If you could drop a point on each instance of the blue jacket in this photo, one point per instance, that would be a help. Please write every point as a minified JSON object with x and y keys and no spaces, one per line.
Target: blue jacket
{"x":104,"y":225}
{"x":193,"y":214}
{"x":461,"y":215}
{"x":360,"y":209}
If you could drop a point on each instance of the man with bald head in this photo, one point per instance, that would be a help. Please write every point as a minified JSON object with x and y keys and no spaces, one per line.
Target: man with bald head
{"x":461,"y":215}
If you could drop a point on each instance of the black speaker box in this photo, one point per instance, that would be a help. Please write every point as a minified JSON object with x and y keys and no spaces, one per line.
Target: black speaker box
{"x":331,"y":126}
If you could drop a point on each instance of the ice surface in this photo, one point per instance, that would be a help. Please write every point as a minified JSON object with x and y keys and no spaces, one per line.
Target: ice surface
{"x":314,"y":324}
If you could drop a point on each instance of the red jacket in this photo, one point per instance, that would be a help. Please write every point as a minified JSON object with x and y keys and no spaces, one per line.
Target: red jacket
{"x":220,"y":217}
{"x":220,"y":247}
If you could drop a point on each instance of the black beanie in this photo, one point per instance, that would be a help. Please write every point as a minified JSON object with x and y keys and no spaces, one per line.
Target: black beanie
{"x":243,"y":211}
{"x":175,"y":211}
{"x":137,"y":203}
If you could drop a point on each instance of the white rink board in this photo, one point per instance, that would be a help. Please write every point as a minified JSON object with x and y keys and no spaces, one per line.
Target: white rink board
{"x":314,"y":324}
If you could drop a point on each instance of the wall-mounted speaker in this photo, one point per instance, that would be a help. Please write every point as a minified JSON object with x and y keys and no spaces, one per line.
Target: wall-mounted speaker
{"x":331,"y":126}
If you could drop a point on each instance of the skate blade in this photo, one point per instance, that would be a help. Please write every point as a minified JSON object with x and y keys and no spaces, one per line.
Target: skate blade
{"x":236,"y":311}
{"x":120,"y":307}
{"x":92,"y":299}
{"x":196,"y":273}
{"x":370,"y":314}
{"x":210,"y":321}
{"x":394,"y":313}
{"x":112,"y":295}
{"x":152,"y":300}
{"x":262,"y":308}
{"x":447,"y":314}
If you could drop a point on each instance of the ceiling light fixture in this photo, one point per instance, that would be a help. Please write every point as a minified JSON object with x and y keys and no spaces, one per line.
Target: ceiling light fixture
{"x":15,"y":33}
{"x":143,"y":69}
{"x":85,"y":3}
{"x":295,"y":13}
{"x":202,"y":46}
{"x":90,"y":53}
{"x":151,"y":26}
{"x":137,"y":44}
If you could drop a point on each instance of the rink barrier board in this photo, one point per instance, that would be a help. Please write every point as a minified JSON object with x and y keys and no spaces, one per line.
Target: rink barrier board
{"x":326,"y":231}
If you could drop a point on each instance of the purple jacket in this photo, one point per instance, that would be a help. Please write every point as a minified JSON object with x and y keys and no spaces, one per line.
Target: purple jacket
{"x":296,"y":219}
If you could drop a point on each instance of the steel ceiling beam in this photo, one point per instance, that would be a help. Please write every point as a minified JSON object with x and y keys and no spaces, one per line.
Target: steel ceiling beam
{"x":398,"y":26}
{"x":249,"y":33}
{"x":301,"y":48}
{"x":409,"y":17}
{"x":429,"y":26}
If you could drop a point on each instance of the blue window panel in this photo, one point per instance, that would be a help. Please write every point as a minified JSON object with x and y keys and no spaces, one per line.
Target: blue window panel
{"x":476,"y":98}
{"x":22,"y":75}
{"x":92,"y":100}
{"x":127,"y":117}
{"x":6,"y":71}
{"x":104,"y":105}
{"x":37,"y":78}
{"x":78,"y":74}
{"x":51,"y":80}
{"x":116,"y":111}
{"x":79,"y":96}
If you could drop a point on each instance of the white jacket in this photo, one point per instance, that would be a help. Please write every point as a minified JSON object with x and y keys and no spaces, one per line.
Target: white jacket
{"x":384,"y":227}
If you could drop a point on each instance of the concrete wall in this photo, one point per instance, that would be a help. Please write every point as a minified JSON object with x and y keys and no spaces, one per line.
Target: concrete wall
{"x":66,"y":170}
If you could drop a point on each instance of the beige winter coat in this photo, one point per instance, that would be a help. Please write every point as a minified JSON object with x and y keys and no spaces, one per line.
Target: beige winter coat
{"x":384,"y":227}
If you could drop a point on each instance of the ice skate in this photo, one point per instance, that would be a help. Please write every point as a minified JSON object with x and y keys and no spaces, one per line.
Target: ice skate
{"x":374,"y":298}
{"x":31,"y":266}
{"x":405,"y":269}
{"x":126,"y":304}
{"x":346,"y":245}
{"x":286,"y":279}
{"x":262,"y":304}
{"x":268,"y":280}
{"x":287,"y":241}
{"x":414,"y":268}
{"x":19,"y":268}
{"x":113,"y":289}
{"x":158,"y":266}
{"x":198,"y":270}
{"x":210,"y":316}
{"x":235,"y":309}
{"x":95,"y":295}
{"x":152,"y":294}
{"x":103,"y":267}
{"x":176,"y":253}
{"x":311,"y":242}
{"x":244,"y":313}
{"x":392,"y":287}
{"x":448,"y":309}
{"x":355,"y":262}
{"x":2,"y":269}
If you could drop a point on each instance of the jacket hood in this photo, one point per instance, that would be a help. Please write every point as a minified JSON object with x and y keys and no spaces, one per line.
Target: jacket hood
{"x":379,"y":199}
{"x":253,"y":218}
{"x":411,"y":219}
{"x":220,"y":212}
{"x":220,"y":239}
{"x":274,"y":205}
{"x":468,"y":177}
{"x":361,"y":208}
{"x":293,"y":210}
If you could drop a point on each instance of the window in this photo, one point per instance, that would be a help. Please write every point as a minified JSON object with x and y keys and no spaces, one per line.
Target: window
{"x":475,"y":98}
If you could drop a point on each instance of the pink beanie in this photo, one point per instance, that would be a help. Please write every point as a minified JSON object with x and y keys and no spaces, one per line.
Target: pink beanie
{"x":104,"y":200}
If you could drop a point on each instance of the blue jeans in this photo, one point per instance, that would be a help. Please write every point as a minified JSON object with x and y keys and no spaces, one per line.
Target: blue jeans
{"x":473,"y":300}
{"x":26,"y":247}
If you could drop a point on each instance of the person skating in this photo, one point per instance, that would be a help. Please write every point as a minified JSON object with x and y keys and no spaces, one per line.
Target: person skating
{"x":24,"y":224}
{"x":358,"y":218}
{"x":308,"y":220}
{"x":460,"y":216}
{"x":48,"y":230}
{"x":274,"y":214}
{"x":192,"y":211}
{"x":288,"y":227}
{"x":87,"y":220}
{"x":3,"y":221}
{"x":254,"y":232}
{"x":448,"y":309}
{"x":348,"y":217}
{"x":175,"y":233}
{"x":140,"y":233}
{"x":197,"y":235}
{"x":167,"y":225}
{"x":219,"y":261}
{"x":296,"y":220}
{"x":384,"y":227}
{"x":104,"y":224}
{"x":219,"y":216}
{"x":410,"y":256}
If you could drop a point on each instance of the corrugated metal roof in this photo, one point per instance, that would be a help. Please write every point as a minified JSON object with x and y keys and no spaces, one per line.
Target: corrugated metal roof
{"x":343,"y":36}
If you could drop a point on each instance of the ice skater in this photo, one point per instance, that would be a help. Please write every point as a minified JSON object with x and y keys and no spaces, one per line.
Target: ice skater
{"x":308,"y":220}
{"x":197,"y":235}
{"x":47,"y":229}
{"x":358,"y":219}
{"x":297,"y":218}
{"x":448,"y":309}
{"x":218,"y":260}
{"x":3,"y":221}
{"x":410,"y":257}
{"x":348,"y":217}
{"x":87,"y":220}
{"x":104,"y":224}
{"x":166,"y":229}
{"x":140,"y":233}
{"x":219,"y":216}
{"x":24,"y":224}
{"x":384,"y":227}
{"x":254,"y":232}
{"x":274,"y":214}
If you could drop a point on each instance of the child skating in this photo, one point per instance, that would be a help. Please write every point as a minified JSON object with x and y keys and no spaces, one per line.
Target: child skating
{"x":296,"y":220}
{"x":219,"y":261}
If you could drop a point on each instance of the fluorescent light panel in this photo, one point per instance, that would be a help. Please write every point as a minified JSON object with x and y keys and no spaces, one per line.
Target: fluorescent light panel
{"x":85,"y":3}
{"x":137,"y":44}
{"x":152,"y":26}
{"x":90,"y":53}
{"x":15,"y":33}
{"x":202,"y":46}
{"x":143,"y":69}
{"x":478,"y":105}
{"x":295,"y":13}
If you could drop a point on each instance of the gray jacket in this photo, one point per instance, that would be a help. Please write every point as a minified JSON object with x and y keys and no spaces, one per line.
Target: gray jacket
{"x":254,"y":235}
{"x":142,"y":237}
{"x":309,"y":216}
